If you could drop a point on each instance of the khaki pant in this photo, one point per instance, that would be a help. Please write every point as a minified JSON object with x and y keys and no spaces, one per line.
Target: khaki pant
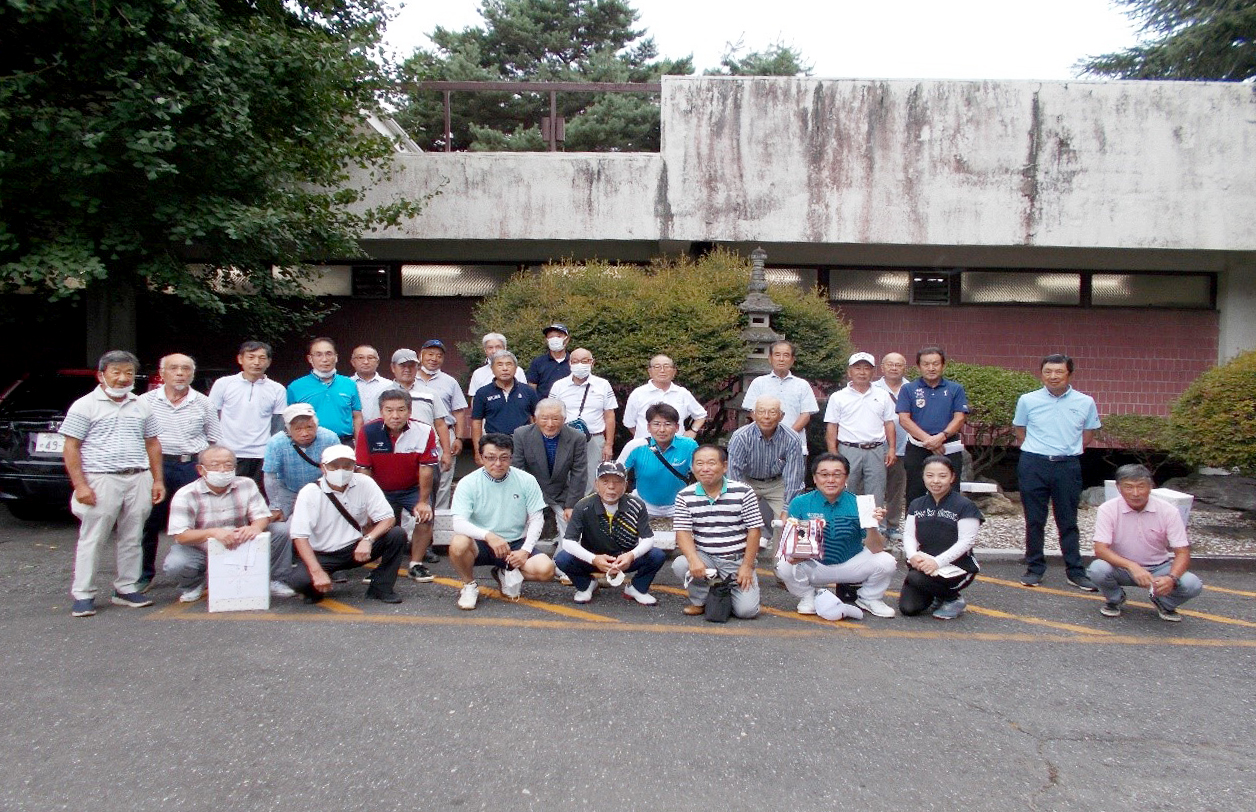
{"x":123,"y":502}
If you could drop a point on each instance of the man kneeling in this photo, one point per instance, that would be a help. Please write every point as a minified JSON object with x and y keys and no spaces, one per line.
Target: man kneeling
{"x":609,"y":533}
{"x":498,"y":513}
{"x":340,"y":522}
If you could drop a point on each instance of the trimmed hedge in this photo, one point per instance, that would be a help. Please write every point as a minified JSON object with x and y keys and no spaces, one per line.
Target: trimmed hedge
{"x":1214,"y":421}
{"x":992,"y":395}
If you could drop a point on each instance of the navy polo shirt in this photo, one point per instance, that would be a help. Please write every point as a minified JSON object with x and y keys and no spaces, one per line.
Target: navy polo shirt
{"x":503,"y":413}
{"x":932,"y":407}
{"x":544,"y":371}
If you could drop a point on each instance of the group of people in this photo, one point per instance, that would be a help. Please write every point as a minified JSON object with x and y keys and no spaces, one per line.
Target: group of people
{"x":341,"y":471}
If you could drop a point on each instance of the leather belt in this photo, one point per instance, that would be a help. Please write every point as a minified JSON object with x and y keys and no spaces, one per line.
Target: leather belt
{"x":765,"y":479}
{"x":178,"y":457}
{"x":1052,"y":457}
{"x":126,"y":471}
{"x":864,"y":446}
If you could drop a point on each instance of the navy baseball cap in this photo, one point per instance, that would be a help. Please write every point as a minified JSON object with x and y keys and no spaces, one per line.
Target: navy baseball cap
{"x":434,"y":342}
{"x":562,"y":328}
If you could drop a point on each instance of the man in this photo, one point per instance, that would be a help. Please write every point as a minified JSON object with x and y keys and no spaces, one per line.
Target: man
{"x":187,"y":424}
{"x":852,"y":555}
{"x":365,"y":362}
{"x":292,"y":458}
{"x":334,"y":397}
{"x":717,"y":523}
{"x":401,"y":455}
{"x":431,"y":359}
{"x":1054,"y":425}
{"x":502,"y":405}
{"x":860,"y":419}
{"x":610,"y":533}
{"x":798,"y":400}
{"x":552,"y":365}
{"x":226,"y":507}
{"x":590,"y":408}
{"x":113,"y":457}
{"x":492,"y":343}
{"x":497,"y":513}
{"x":554,"y":453}
{"x":767,"y":457}
{"x":249,"y":407}
{"x":893,"y":365}
{"x":661,"y":462}
{"x":340,"y":522}
{"x":931,"y":409}
{"x":427,"y":406}
{"x":661,"y":389}
{"x":1141,"y":540}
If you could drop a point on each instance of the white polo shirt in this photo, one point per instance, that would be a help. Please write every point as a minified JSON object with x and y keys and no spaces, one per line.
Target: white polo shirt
{"x":601,"y":397}
{"x":860,"y":416}
{"x":314,"y":517}
{"x":646,"y":395}
{"x":369,"y":392}
{"x":245,"y":409}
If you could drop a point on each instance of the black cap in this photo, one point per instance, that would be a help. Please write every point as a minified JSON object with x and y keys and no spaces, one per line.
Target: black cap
{"x":562,"y":328}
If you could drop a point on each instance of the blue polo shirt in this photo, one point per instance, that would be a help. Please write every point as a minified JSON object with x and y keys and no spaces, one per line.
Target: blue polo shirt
{"x":1054,"y":425}
{"x":503,"y":413}
{"x":655,"y":484}
{"x":843,"y":537}
{"x":544,"y":371}
{"x":932,"y":407}
{"x":334,"y":401}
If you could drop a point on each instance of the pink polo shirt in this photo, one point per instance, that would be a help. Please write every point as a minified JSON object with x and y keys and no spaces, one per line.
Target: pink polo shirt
{"x":1143,"y":536}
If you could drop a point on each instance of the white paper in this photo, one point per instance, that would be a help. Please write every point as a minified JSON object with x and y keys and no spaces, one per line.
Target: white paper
{"x":867,"y":503}
{"x":239,"y":579}
{"x":949,"y":571}
{"x":953,"y":447}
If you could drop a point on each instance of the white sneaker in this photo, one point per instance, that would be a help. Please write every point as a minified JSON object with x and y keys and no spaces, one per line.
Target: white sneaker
{"x":643,"y":598}
{"x":194,"y":594}
{"x":562,"y":577}
{"x":512,"y":583}
{"x":807,"y":606}
{"x":586,"y":595}
{"x":278,"y":589}
{"x":468,"y":595}
{"x":878,"y":608}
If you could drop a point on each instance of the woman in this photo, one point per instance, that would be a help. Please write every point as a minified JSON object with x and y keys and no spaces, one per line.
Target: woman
{"x":938,"y":539}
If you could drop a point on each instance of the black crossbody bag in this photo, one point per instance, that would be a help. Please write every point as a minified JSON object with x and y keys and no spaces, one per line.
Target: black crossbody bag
{"x":304,"y":456}
{"x":579,"y":423}
{"x":685,"y":479}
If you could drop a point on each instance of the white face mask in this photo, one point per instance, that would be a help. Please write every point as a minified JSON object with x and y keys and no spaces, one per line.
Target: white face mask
{"x":119,"y":392}
{"x":556,"y":343}
{"x":581,"y":370}
{"x":339,"y":477}
{"x":219,"y":479}
{"x":324,"y":376}
{"x":428,"y":372}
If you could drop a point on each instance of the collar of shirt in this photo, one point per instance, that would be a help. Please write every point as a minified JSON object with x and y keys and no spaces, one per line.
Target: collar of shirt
{"x":326,"y":487}
{"x":1150,"y":507}
{"x":700,"y":491}
{"x":941,"y":382}
{"x":784,"y":377}
{"x":1060,"y":396}
{"x":356,"y":378}
{"x":655,"y":387}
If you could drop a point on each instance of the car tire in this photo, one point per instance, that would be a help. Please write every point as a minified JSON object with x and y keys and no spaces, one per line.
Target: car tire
{"x":29,"y":511}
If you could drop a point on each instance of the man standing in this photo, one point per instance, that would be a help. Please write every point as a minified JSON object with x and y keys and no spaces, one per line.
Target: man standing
{"x":768,"y":458}
{"x":427,"y":406}
{"x":229,"y":509}
{"x":1141,"y":540}
{"x":798,"y":400}
{"x":553,"y":365}
{"x":610,"y":533}
{"x":661,"y":389}
{"x":503,"y":405}
{"x":492,"y":343}
{"x":590,"y":408}
{"x":333,"y":396}
{"x":1054,"y":425}
{"x":931,"y":409}
{"x":554,"y":453}
{"x":661,"y":462}
{"x":498,"y":517}
{"x":292,"y":458}
{"x":717,"y":523}
{"x":365,"y":362}
{"x":249,"y":407}
{"x":893,"y":366}
{"x":400,"y":454}
{"x":860,"y":420}
{"x":852,"y":555}
{"x":431,"y":359}
{"x":340,"y":522}
{"x":187,"y":424}
{"x":113,"y":457}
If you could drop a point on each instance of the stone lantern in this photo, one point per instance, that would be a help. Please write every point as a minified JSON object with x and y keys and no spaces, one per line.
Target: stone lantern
{"x":758,"y":335}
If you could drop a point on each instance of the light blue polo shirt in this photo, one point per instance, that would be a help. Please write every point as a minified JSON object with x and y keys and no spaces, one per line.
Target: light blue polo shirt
{"x":334,"y":401}
{"x":501,"y":507}
{"x":1054,"y":425}
{"x":656,"y":485}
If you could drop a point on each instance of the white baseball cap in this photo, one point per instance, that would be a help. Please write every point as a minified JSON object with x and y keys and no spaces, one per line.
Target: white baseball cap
{"x":297,"y":410}
{"x":338,"y":452}
{"x":861,"y":356}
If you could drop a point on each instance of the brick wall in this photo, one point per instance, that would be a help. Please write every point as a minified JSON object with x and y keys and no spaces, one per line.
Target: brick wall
{"x":1131,"y":360}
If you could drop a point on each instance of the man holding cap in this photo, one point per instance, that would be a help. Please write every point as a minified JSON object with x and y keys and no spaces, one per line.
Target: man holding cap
{"x":291,"y":460}
{"x":427,"y":406}
{"x":932,"y":410}
{"x":609,"y":533}
{"x":334,"y":397}
{"x":431,"y":359}
{"x":553,"y":365}
{"x":343,"y":521}
{"x":860,"y":421}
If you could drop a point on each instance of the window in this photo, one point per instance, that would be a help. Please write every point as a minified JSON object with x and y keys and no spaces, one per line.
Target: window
{"x":453,"y":280}
{"x":1151,"y":290}
{"x":1020,"y":287}
{"x":851,"y":285}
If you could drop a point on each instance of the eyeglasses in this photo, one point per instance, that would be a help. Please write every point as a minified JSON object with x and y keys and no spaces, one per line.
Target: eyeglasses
{"x":661,"y":424}
{"x":830,"y":475}
{"x":496,"y":457}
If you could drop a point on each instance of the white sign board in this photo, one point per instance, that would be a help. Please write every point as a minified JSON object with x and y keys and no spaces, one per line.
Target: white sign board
{"x":239,"y":579}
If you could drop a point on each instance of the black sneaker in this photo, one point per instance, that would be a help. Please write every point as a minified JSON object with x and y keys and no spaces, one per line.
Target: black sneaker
{"x":143,"y":585}
{"x":430,"y":557}
{"x":385,"y":597}
{"x":420,"y":574}
{"x":1031,"y":579}
{"x":1112,"y":609}
{"x":133,"y":600}
{"x":84,"y":607}
{"x":1166,"y":613}
{"x":1083,"y":583}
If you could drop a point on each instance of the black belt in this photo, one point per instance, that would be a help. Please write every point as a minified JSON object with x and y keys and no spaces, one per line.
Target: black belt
{"x":126,"y":471}
{"x":765,"y":479}
{"x":1052,"y":457}
{"x":864,"y":446}
{"x":178,"y":457}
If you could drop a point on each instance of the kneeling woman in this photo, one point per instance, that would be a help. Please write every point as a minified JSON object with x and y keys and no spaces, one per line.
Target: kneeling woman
{"x":938,"y":538}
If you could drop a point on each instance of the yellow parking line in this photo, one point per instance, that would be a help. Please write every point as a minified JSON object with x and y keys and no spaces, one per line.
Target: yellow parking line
{"x":333,"y":605}
{"x":1243,"y":593}
{"x":565,"y":611}
{"x":1068,"y":627}
{"x":172,"y":609}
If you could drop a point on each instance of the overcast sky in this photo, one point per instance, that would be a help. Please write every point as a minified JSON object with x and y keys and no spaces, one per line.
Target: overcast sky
{"x":906,"y":39}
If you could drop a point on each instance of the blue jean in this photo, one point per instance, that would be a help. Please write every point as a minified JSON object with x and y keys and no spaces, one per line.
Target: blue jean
{"x":1060,"y":484}
{"x":581,"y":573}
{"x":1110,"y":579}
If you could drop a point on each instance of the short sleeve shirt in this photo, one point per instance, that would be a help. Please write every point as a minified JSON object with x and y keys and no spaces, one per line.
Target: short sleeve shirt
{"x":1145,"y":536}
{"x":450,"y":393}
{"x":720,"y":522}
{"x":860,"y":416}
{"x":315,"y":518}
{"x":503,"y":412}
{"x":369,"y":392}
{"x":500,"y":507}
{"x":112,"y":433}
{"x":395,"y":464}
{"x":334,"y":401}
{"x":601,"y":398}
{"x":196,"y":507}
{"x":1054,"y":425}
{"x":646,"y":395}
{"x":843,"y":537}
{"x":283,"y":461}
{"x":187,"y":428}
{"x":601,"y":534}
{"x":932,"y":407}
{"x":544,"y":371}
{"x":245,"y":410}
{"x":655,"y":484}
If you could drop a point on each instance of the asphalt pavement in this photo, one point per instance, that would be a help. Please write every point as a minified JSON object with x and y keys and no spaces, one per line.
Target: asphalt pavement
{"x":1032,"y":700}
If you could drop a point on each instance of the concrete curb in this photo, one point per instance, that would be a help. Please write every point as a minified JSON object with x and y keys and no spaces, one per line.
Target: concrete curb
{"x":1226,"y":563}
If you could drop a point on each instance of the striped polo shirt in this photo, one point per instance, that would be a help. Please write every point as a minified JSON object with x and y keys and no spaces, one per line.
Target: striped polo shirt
{"x":188,"y":428}
{"x":112,"y":433}
{"x":718,"y":524}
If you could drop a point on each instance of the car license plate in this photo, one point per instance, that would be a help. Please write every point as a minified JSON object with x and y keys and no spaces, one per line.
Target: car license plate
{"x":49,"y":443}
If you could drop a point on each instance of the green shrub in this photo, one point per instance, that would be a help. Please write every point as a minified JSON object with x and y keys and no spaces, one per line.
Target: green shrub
{"x":1145,"y":436}
{"x":1214,"y":421}
{"x":992,"y":395}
